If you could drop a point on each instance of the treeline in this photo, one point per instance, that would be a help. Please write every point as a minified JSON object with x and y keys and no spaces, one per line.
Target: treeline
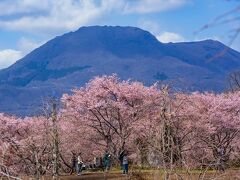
{"x":158,"y":129}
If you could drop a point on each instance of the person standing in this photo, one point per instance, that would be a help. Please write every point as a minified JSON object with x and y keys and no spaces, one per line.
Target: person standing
{"x":106,"y":161}
{"x":121,"y":158}
{"x":221,"y":159}
{"x":125,"y":163}
{"x":73,"y":163}
{"x":79,"y":164}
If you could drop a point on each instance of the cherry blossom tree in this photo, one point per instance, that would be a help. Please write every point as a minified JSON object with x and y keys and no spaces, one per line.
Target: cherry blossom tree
{"x":215,"y":119}
{"x":110,"y":110}
{"x":24,"y":145}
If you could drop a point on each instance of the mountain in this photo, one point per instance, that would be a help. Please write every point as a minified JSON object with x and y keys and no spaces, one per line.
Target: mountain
{"x":72,"y":59}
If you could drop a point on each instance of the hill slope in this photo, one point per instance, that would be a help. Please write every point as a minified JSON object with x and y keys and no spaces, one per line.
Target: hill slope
{"x":70,"y":60}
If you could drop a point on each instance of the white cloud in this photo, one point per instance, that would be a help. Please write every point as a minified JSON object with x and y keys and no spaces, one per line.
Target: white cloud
{"x":167,"y":37}
{"x":59,"y":16}
{"x":52,"y":17}
{"x":8,"y":7}
{"x":8,"y":57}
{"x":149,"y":6}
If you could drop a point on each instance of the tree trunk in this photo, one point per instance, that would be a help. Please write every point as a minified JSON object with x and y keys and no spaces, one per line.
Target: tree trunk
{"x":55,"y":142}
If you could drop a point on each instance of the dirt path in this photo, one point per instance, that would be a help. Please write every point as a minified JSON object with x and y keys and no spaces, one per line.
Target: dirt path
{"x":91,"y":176}
{"x":96,"y":176}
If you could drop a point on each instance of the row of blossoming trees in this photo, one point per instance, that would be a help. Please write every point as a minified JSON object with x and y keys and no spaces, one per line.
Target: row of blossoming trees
{"x":156,"y":127}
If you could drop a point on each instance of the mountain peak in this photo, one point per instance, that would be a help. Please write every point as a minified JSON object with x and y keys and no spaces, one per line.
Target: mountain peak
{"x":98,"y":27}
{"x":115,"y":32}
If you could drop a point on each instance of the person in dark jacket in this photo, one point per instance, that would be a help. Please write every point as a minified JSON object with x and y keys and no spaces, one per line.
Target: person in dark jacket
{"x":121,"y":158}
{"x":73,"y":163}
{"x":106,"y":161}
{"x":125,"y":163}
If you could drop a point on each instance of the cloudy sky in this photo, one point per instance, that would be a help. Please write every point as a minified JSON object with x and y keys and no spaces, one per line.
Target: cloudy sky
{"x":27,"y":24}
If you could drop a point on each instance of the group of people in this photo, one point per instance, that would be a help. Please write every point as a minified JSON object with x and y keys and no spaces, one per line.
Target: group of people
{"x":78,"y":165}
{"x":123,"y":158}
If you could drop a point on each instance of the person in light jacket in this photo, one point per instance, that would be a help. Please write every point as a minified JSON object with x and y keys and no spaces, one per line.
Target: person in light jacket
{"x":79,"y":164}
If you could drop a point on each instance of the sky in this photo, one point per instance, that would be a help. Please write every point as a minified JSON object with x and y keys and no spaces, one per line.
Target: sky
{"x":27,"y":24}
